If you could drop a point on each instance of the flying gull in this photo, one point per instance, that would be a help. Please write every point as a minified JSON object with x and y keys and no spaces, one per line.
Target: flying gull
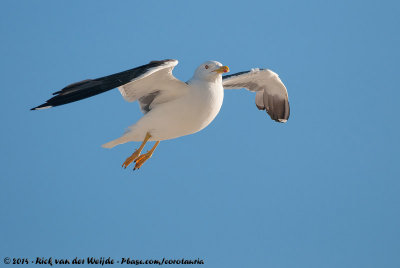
{"x":173,"y":108}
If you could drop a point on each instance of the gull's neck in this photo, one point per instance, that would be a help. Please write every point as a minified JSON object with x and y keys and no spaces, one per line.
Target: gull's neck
{"x":207,"y":80}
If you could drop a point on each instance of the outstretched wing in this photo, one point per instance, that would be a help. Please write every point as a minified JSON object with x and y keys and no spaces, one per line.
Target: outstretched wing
{"x":154,"y":73}
{"x":271,"y":94}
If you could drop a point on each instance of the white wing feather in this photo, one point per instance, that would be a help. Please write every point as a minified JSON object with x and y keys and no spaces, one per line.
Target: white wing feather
{"x":156,"y":86}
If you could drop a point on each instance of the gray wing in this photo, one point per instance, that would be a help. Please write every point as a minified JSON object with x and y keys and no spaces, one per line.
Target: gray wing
{"x":271,"y":93}
{"x":154,"y":73}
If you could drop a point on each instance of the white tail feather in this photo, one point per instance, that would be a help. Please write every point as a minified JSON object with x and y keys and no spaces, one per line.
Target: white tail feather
{"x":114,"y":143}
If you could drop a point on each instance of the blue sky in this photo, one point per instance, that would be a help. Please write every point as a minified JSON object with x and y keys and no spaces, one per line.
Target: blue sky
{"x":319,"y":191}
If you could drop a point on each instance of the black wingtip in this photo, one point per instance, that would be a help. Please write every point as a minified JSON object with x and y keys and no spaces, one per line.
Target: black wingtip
{"x":41,"y":107}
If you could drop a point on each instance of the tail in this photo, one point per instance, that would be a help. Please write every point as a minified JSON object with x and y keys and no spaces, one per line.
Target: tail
{"x":115,"y":142}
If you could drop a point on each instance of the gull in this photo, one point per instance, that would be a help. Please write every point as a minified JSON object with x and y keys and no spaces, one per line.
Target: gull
{"x":173,"y":108}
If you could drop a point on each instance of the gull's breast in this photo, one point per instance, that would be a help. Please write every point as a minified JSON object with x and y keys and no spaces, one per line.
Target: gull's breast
{"x":205,"y":103}
{"x":186,"y":115}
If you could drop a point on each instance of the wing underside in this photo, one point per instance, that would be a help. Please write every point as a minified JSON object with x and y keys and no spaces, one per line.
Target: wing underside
{"x":271,"y":93}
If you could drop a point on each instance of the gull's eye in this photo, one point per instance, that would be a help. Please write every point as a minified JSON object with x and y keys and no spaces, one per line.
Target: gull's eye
{"x":206,"y":67}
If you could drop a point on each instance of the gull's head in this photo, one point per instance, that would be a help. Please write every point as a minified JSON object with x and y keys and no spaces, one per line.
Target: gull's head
{"x":210,"y":70}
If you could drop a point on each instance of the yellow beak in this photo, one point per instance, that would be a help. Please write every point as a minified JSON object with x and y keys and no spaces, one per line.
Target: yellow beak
{"x":221,"y":70}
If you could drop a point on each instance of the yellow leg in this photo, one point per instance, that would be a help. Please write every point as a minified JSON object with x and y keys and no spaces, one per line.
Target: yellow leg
{"x":141,"y":159}
{"x":136,"y":154}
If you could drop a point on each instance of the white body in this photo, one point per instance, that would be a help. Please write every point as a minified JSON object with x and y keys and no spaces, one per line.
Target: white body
{"x":185,"y":115}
